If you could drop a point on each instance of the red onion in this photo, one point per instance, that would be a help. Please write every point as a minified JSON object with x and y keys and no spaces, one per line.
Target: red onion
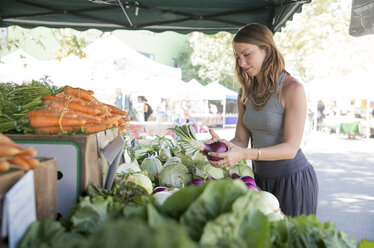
{"x":234,"y":175}
{"x":197,"y":181}
{"x":158,"y":189}
{"x":210,"y":178}
{"x":248,"y":179}
{"x":252,"y":187}
{"x":217,"y":147}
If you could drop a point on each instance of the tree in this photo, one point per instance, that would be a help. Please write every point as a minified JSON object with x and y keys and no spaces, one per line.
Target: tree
{"x":209,"y":58}
{"x":45,"y":40}
{"x":316,"y":43}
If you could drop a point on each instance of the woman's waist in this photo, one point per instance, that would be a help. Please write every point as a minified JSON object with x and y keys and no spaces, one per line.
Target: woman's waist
{"x":281,"y":167}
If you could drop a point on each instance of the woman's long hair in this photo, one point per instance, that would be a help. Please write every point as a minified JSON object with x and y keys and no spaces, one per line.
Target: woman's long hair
{"x":272,"y":67}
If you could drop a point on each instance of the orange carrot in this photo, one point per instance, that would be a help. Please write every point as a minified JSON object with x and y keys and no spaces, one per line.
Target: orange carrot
{"x":112,"y":119}
{"x":51,"y":113}
{"x":115,"y":110}
{"x":81,"y":94}
{"x":55,"y":105}
{"x":18,"y":161}
{"x":46,"y":121}
{"x":70,"y":97}
{"x":4,"y":166}
{"x":28,"y":152}
{"x":95,"y":128}
{"x":104,"y":108}
{"x":54,"y":130}
{"x":11,"y":144}
{"x":84,"y":109}
{"x":33,"y":163}
{"x":4,"y":138}
{"x":8,"y":151}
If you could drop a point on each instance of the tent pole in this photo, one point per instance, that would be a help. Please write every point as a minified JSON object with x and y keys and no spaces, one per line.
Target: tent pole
{"x":224,"y":113}
{"x":367,"y":118}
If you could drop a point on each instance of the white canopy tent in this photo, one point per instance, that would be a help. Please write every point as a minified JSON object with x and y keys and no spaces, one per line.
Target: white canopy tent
{"x":220,"y":92}
{"x":357,"y":85}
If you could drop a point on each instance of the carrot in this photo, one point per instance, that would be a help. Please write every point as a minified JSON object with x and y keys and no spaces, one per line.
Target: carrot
{"x":8,"y":151}
{"x":11,"y":144}
{"x":104,"y":108}
{"x":46,"y":121}
{"x":33,"y":163}
{"x":80,"y":94}
{"x":48,"y":97}
{"x":112,"y":119}
{"x":70,"y":97}
{"x":51,"y":113}
{"x":115,"y":110}
{"x":4,"y":166}
{"x":28,"y":152}
{"x":4,"y":138}
{"x":54,"y":130}
{"x":90,"y":92}
{"x":95,"y":128}
{"x":81,"y":108}
{"x":18,"y":161}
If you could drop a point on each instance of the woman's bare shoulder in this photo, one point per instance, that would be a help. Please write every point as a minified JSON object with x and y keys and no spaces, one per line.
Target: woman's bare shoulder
{"x":291,"y":85}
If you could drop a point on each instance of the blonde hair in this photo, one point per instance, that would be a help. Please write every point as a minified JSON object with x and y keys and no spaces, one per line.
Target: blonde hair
{"x":272,"y":67}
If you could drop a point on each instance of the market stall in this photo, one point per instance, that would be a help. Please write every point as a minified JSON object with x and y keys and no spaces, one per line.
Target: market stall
{"x":166,"y":194}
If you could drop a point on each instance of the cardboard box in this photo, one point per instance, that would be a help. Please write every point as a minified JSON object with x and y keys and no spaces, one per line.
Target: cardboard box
{"x":80,"y":161}
{"x":45,"y":181}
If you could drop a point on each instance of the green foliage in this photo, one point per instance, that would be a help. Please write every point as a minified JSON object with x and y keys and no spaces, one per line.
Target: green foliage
{"x":16,"y":100}
{"x":316,"y":43}
{"x":209,"y":58}
{"x":221,"y":213}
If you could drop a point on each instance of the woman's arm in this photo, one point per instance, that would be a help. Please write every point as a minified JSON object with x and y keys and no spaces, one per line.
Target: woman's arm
{"x":242,"y":134}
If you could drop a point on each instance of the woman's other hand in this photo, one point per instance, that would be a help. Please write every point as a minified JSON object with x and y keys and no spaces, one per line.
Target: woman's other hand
{"x":233,"y":155}
{"x":214,"y":138}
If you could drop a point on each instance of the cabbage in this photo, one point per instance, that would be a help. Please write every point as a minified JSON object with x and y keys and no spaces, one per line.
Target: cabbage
{"x":161,"y":197}
{"x":140,"y":180}
{"x":267,"y":202}
{"x":164,"y":154}
{"x":275,"y":216}
{"x":174,"y":175}
{"x":152,"y":165}
{"x":241,"y":170}
{"x":173,"y":160}
{"x":207,"y":168}
{"x":128,"y":167}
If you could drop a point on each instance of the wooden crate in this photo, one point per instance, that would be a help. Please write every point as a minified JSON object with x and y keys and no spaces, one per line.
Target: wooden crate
{"x":45,"y":181}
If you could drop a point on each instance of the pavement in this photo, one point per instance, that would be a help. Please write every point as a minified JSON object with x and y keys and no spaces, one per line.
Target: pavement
{"x":345,"y":172}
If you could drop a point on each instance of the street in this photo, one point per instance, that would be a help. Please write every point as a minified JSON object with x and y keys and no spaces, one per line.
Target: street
{"x":345,"y":171}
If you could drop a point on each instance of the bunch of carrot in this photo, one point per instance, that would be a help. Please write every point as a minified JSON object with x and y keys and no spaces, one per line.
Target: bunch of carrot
{"x":14,"y":155}
{"x":76,"y":110}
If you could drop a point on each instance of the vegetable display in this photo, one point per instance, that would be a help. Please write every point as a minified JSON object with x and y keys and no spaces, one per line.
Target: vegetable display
{"x":75,"y":110}
{"x":39,"y":107}
{"x":219,"y":213}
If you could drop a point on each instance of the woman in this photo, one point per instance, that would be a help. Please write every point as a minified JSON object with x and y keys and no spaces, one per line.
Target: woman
{"x":272,"y":112}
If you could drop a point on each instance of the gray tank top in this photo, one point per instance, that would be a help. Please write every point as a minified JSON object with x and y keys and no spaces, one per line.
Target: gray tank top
{"x":267,"y":124}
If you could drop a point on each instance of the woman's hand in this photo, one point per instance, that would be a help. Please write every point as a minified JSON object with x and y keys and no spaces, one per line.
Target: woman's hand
{"x":232,"y":156}
{"x":214,"y":138}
